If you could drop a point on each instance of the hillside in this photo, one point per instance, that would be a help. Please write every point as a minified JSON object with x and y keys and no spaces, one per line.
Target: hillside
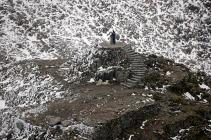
{"x":50,"y":47}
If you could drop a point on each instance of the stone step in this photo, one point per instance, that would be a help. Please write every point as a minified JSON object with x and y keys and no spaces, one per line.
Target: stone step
{"x":138,"y":70}
{"x":138,"y":58}
{"x":137,"y":79}
{"x":128,"y":50}
{"x":141,"y":69}
{"x":140,"y":74}
{"x":137,"y":66}
{"x":132,"y":81}
{"x":140,"y":66}
{"x":129,"y":85}
{"x":133,"y":54}
{"x":140,"y":84}
{"x":135,"y":63}
{"x":132,"y":68}
{"x":127,"y":47}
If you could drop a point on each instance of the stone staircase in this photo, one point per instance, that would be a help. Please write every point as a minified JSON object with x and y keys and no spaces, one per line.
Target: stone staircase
{"x":137,"y":68}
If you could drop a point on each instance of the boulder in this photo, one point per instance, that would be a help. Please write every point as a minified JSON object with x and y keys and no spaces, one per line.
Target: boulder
{"x":121,"y":75}
{"x":105,"y":75}
{"x":52,"y":120}
{"x":20,"y":125}
{"x":66,"y":123}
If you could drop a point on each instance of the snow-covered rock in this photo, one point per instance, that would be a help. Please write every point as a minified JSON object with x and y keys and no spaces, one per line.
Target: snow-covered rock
{"x":189,"y":96}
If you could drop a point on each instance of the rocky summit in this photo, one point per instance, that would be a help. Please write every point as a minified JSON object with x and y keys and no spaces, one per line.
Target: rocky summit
{"x":61,"y":78}
{"x":166,"y":101}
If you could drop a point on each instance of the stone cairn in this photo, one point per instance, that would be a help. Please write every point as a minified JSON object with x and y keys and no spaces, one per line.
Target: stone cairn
{"x":137,"y":68}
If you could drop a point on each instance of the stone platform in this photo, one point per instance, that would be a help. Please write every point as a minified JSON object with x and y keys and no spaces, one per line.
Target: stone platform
{"x":107,"y":45}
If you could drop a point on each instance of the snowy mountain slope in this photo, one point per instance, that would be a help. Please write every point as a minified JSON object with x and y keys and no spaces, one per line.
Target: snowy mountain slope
{"x":52,"y":29}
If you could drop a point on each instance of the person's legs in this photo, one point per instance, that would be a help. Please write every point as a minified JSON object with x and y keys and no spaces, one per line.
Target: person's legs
{"x":114,"y":40}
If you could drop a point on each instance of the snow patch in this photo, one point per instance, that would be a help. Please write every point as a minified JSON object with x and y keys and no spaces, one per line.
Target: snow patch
{"x":168,"y":73}
{"x":200,"y":96}
{"x":84,"y":129}
{"x":2,"y":104}
{"x":143,"y":124}
{"x":133,"y":94}
{"x":130,"y":137}
{"x":101,"y":69}
{"x":176,"y":138}
{"x":203,"y":86}
{"x":92,"y":80}
{"x":188,"y":96}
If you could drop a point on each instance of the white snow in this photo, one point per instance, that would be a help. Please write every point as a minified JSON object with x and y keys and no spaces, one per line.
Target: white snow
{"x":146,"y":88}
{"x":133,"y":94}
{"x":204,"y":101}
{"x":151,"y":28}
{"x":84,"y":129}
{"x":208,"y":129}
{"x":92,"y":80}
{"x":149,"y":95}
{"x":2,"y":104}
{"x":147,"y":100}
{"x":200,"y":95}
{"x":188,"y":96}
{"x":143,"y":124}
{"x":81,"y":29}
{"x":168,"y":73}
{"x":176,"y":138}
{"x":203,"y":86}
{"x":184,"y":130}
{"x":47,"y":56}
{"x":100,"y":69}
{"x":130,"y":137}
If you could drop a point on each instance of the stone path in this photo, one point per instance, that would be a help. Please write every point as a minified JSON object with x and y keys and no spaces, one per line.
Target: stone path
{"x":137,"y":67}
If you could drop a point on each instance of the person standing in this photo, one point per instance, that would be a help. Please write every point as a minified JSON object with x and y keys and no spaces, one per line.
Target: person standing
{"x":113,"y":38}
